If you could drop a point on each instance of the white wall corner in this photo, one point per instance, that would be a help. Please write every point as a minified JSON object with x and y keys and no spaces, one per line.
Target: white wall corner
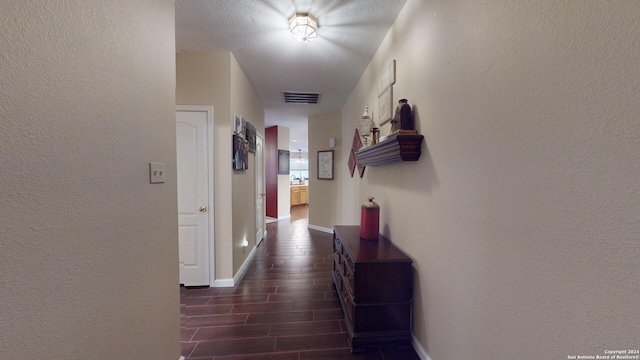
{"x":239,"y":275}
{"x":243,"y":269}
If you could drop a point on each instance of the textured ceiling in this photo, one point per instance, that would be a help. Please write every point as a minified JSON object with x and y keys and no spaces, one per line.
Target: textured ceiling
{"x":256,"y":32}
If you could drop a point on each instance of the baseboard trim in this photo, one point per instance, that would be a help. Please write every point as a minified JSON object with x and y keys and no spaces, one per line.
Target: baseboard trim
{"x":320,"y":228}
{"x":239,"y":275}
{"x":181,"y":358}
{"x":284,"y":217}
{"x":222,"y":283}
{"x":422,"y":353}
{"x":243,"y":268}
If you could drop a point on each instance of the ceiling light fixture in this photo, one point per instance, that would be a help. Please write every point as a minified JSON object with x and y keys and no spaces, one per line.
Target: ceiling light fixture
{"x":304,"y":26}
{"x":299,"y":158}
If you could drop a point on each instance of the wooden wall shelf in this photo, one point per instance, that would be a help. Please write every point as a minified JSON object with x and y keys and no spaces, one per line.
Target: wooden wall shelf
{"x":396,"y":147}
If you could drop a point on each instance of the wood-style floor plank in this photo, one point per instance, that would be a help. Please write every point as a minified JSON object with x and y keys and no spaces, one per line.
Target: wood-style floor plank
{"x":285,"y":308}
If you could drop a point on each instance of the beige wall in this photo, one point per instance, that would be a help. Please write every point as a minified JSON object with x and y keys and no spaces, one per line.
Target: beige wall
{"x":245,"y":103}
{"x":88,"y":248}
{"x":322,"y":214}
{"x":204,"y":78}
{"x":215,"y":78}
{"x":284,"y":192}
{"x":522,"y":213}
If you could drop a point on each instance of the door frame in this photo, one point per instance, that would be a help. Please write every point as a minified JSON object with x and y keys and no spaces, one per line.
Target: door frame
{"x":210,"y":187}
{"x":264,"y":190}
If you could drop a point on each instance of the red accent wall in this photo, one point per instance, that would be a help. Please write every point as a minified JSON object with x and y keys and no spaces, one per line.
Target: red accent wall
{"x":271,"y":170}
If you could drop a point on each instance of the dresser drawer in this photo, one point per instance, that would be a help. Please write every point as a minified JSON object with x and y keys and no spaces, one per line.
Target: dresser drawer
{"x":337,"y":246}
{"x":337,"y":264}
{"x":348,"y":301}
{"x":381,"y":317}
{"x":382,"y":282}
{"x":338,"y":281}
{"x":349,"y":281}
{"x":347,"y":263}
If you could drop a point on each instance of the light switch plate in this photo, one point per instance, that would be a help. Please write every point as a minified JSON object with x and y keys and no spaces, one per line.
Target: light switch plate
{"x":156,"y":173}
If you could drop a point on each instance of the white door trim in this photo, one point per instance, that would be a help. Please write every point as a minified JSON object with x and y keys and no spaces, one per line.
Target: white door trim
{"x":262,"y":189}
{"x":211,"y":207}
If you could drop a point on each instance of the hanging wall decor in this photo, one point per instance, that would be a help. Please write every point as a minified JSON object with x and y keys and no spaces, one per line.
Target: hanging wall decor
{"x":361,"y":169}
{"x":356,"y":145}
{"x":237,"y":124}
{"x":283,"y":162}
{"x":325,"y":165}
{"x":385,"y":93}
{"x":240,"y":154}
{"x":251,"y":137}
{"x":352,"y":162}
{"x":387,"y":78}
{"x":385,"y":106}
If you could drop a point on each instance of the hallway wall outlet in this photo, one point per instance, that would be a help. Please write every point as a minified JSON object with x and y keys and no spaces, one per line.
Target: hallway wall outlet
{"x":156,"y":173}
{"x":245,"y":243}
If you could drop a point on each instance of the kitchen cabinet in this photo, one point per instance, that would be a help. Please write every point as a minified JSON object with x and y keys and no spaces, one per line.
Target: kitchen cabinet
{"x":304,"y":194}
{"x":299,"y":195}
{"x":374,"y":281}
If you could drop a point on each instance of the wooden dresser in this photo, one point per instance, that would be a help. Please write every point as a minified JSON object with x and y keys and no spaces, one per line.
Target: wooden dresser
{"x":374,"y":280}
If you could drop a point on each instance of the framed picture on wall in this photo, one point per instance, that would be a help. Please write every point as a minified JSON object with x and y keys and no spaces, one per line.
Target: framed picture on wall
{"x":387,"y":78}
{"x":237,"y":124}
{"x":283,"y":162}
{"x":240,"y":154}
{"x":325,"y":165}
{"x":385,"y":106}
{"x":251,"y":137}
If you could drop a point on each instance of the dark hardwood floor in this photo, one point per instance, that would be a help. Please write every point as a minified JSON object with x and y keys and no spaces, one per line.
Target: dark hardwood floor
{"x":285,"y":307}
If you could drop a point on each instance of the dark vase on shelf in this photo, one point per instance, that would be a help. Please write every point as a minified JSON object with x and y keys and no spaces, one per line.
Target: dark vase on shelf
{"x":402,"y":119}
{"x":406,"y":120}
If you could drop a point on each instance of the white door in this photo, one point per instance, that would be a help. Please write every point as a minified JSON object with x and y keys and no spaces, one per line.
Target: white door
{"x":194,"y":206}
{"x":260,"y":193}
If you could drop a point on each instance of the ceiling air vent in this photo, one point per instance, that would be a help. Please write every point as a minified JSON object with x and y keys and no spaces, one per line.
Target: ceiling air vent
{"x":296,"y":97}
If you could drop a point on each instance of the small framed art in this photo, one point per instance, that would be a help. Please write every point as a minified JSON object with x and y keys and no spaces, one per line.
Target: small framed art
{"x":385,"y":106}
{"x":240,"y":154}
{"x":283,"y":162}
{"x":251,"y":137}
{"x":237,"y":124}
{"x":387,"y":78}
{"x":325,"y":165}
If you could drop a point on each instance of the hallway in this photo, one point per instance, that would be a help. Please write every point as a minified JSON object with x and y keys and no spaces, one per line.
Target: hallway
{"x":284,"y":308}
